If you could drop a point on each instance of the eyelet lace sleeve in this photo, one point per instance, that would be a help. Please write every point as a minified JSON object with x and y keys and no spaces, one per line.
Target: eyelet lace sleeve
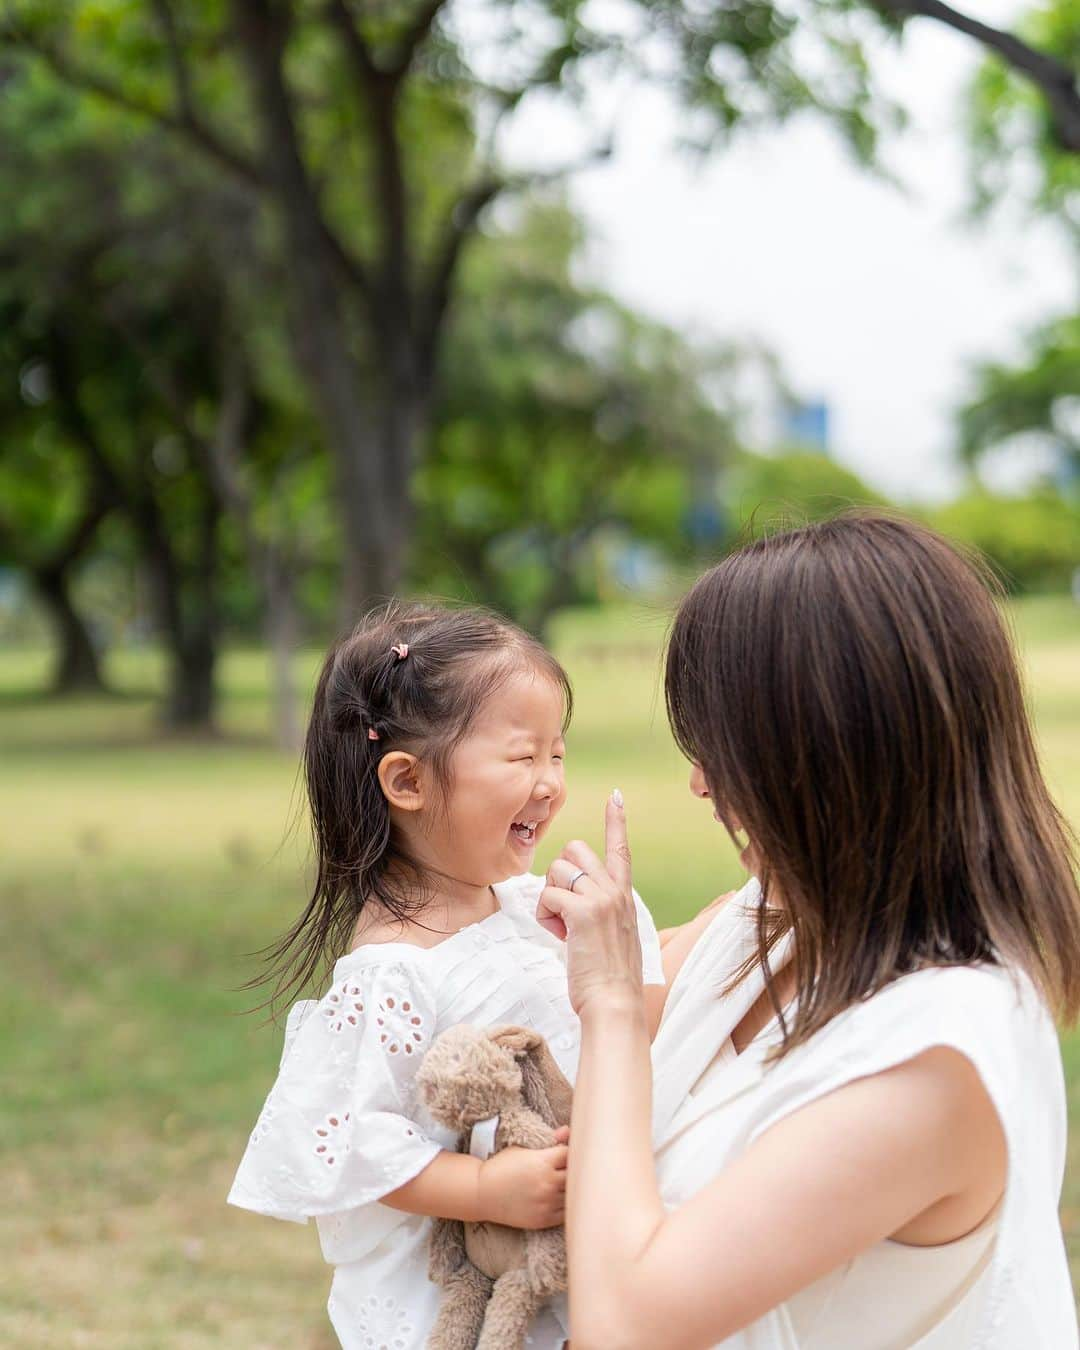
{"x":337,"y":1131}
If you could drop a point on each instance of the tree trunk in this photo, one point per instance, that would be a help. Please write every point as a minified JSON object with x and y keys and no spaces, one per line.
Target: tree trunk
{"x":77,"y":668}
{"x":372,"y":534}
{"x":281,"y":637}
{"x":191,"y":702}
{"x":188,"y":630}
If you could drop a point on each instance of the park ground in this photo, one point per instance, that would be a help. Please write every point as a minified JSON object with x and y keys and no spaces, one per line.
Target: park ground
{"x":137,"y":873}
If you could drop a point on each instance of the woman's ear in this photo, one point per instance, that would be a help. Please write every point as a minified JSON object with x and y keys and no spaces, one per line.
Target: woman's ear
{"x":400,"y":780}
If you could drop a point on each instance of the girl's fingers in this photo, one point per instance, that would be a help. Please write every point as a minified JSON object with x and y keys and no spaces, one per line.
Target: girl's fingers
{"x":562,"y":1134}
{"x":616,"y":844}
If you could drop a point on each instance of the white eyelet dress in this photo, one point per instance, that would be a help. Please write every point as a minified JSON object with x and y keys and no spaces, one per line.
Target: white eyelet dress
{"x":342,"y":1126}
{"x":1004,"y":1287}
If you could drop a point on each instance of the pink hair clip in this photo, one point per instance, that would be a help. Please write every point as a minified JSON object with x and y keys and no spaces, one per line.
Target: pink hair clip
{"x":400,"y":650}
{"x":372,"y":734}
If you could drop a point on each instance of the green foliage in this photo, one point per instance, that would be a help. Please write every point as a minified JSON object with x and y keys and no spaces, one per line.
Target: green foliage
{"x":1017,"y":156}
{"x":766,"y":490}
{"x":750,"y":62}
{"x":564,"y":416}
{"x":1036,"y":395}
{"x":1015,"y":152}
{"x":1033,"y":541}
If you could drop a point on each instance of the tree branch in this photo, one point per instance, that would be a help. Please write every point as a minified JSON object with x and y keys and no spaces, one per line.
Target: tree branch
{"x":379,"y":91}
{"x":262,"y":38}
{"x":405,"y":49}
{"x":415,"y":36}
{"x":356,"y":47}
{"x":460,"y":223}
{"x":177,"y":59}
{"x":1056,"y":80}
{"x":109,"y":486}
{"x":184,"y":122}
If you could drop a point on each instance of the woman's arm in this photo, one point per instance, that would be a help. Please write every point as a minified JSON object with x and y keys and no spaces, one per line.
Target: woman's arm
{"x":821,"y":1186}
{"x":916,"y":1152}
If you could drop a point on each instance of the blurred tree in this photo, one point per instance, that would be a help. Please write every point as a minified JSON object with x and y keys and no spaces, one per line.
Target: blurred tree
{"x":1033,"y":541}
{"x":795,"y":486}
{"x":125,"y":352}
{"x":1033,"y":63}
{"x":563,"y":415}
{"x":373,"y":130}
{"x":1038,"y":398}
{"x":409,"y":100}
{"x":1019,"y":150}
{"x":51,"y":504}
{"x":1020,"y":155}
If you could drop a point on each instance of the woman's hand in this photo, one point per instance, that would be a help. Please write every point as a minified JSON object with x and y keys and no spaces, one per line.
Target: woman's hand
{"x":596,"y":915}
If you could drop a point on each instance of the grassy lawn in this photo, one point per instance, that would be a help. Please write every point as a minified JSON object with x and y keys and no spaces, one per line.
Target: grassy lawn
{"x":136,"y":874}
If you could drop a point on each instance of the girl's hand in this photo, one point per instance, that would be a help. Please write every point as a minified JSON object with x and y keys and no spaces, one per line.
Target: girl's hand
{"x":597,"y":917}
{"x":525,"y":1187}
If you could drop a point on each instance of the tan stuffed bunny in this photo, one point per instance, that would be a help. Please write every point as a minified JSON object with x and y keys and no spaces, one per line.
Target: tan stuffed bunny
{"x":495,"y":1278}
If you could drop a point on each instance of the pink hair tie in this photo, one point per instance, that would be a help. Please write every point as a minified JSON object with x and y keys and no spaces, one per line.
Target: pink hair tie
{"x":372,"y":734}
{"x":400,"y":650}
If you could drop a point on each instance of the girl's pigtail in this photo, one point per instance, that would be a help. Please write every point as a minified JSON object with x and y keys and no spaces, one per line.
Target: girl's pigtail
{"x":350,"y":828}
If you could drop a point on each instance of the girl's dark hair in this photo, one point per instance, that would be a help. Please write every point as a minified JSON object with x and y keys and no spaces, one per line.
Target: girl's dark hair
{"x":425,"y":704}
{"x":852,"y":697}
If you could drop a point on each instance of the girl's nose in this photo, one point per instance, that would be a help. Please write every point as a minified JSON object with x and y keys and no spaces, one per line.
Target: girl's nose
{"x":698,"y":786}
{"x":548,"y":783}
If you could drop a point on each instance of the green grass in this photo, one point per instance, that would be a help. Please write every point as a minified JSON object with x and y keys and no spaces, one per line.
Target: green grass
{"x":136,"y":872}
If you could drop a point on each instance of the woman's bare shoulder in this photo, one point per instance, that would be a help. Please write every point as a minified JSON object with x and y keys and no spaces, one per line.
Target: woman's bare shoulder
{"x":677,"y":943}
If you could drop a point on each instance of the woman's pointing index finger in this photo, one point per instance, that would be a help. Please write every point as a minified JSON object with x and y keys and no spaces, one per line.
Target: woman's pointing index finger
{"x":616,"y":845}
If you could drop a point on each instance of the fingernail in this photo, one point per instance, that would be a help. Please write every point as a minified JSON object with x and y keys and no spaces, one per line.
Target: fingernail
{"x":616,"y":797}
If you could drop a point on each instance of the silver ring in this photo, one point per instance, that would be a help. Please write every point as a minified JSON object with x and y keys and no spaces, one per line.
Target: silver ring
{"x":576,"y":878}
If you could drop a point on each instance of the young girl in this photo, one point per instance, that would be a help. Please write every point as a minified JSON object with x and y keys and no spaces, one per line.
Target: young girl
{"x":434,"y":766}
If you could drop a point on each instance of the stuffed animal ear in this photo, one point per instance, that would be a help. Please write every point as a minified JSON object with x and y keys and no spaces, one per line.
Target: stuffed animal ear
{"x":520,"y":1041}
{"x":544,"y":1088}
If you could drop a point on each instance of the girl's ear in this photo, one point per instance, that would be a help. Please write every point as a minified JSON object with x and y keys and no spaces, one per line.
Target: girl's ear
{"x":400,"y":780}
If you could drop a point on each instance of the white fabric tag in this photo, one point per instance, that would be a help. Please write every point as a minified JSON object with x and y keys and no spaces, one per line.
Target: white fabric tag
{"x":482,"y":1138}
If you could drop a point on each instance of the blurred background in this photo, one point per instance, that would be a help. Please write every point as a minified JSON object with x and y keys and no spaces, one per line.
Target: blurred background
{"x":536,"y":303}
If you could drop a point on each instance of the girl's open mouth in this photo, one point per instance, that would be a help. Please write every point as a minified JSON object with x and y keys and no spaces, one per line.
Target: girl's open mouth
{"x":523,"y":832}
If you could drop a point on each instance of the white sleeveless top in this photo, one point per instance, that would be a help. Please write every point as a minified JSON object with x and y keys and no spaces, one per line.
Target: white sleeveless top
{"x":1004,"y":1287}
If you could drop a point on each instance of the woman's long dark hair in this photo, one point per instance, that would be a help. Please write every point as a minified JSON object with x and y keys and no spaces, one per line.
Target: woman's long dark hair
{"x":851,"y":694}
{"x":370,"y":700}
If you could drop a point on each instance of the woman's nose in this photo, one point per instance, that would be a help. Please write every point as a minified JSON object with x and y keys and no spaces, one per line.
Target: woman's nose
{"x":698,"y":786}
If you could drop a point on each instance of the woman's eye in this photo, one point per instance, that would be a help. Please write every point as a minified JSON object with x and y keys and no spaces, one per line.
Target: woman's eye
{"x":524,"y":759}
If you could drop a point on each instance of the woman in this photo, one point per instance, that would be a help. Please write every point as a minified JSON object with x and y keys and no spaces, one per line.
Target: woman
{"x":859,"y":1130}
